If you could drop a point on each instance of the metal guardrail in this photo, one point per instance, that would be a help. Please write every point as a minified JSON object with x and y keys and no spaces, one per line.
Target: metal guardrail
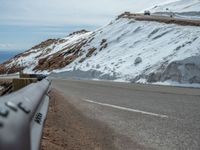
{"x":9,"y":76}
{"x":7,"y":90}
{"x":22,"y":116}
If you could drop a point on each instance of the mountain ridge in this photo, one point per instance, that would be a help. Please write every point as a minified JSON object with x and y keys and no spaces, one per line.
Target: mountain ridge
{"x":124,"y":50}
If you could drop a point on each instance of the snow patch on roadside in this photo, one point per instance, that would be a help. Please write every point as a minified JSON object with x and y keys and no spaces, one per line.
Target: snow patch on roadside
{"x":173,"y":83}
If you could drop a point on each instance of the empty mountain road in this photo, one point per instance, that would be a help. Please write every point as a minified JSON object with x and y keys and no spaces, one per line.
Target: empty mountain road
{"x":128,"y":116}
{"x":162,"y":19}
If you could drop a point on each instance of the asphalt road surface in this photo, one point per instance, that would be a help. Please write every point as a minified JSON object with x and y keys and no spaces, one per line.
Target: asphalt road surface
{"x":139,"y":116}
{"x":164,"y":19}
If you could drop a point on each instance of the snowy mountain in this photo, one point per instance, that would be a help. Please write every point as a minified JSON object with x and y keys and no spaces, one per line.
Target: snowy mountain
{"x":189,"y":9}
{"x":179,"y":6}
{"x":125,"y":49}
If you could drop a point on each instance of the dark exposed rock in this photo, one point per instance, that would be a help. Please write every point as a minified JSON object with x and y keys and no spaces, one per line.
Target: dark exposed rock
{"x":78,"y":32}
{"x":138,"y":60}
{"x":90,"y":52}
{"x":105,"y":45}
{"x":172,"y":72}
{"x":195,"y":79}
{"x":3,"y":69}
{"x":103,"y":41}
{"x":10,"y":70}
{"x":60,"y":59}
{"x":45,"y":44}
{"x":183,"y":71}
{"x":153,"y":77}
{"x":123,"y":15}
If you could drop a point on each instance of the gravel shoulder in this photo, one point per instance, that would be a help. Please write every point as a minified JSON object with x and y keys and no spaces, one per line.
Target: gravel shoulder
{"x":67,"y":129}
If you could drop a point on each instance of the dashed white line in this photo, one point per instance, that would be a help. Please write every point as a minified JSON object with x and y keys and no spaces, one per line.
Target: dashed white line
{"x":126,"y":109}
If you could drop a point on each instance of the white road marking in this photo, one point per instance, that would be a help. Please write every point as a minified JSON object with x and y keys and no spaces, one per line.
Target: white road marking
{"x":127,"y":109}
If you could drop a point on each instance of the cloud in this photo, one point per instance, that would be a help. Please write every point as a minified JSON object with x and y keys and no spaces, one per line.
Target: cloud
{"x":24,"y":23}
{"x":5,"y":46}
{"x":62,"y":12}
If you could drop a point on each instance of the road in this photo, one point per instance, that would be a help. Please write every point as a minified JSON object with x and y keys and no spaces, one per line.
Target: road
{"x":139,"y":116}
{"x":163,"y":19}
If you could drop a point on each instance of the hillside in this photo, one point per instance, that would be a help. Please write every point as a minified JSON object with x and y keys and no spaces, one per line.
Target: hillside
{"x":189,"y":9}
{"x":179,"y":6}
{"x":125,"y":50}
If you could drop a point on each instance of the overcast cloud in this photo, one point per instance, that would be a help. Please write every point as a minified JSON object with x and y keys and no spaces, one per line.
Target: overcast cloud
{"x":62,"y":12}
{"x":24,"y":23}
{"x":5,"y":46}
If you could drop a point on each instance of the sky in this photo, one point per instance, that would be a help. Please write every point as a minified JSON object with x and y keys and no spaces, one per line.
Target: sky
{"x":25,"y":23}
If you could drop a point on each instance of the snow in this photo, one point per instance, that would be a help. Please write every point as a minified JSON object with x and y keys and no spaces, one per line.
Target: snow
{"x":70,"y":40}
{"x":160,"y":4}
{"x":157,"y":44}
{"x":179,"y":6}
{"x":184,"y":9}
{"x":172,"y":83}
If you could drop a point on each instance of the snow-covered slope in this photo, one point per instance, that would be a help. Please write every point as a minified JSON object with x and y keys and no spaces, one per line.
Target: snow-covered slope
{"x":125,"y":49}
{"x":179,"y":6}
{"x":189,"y":9}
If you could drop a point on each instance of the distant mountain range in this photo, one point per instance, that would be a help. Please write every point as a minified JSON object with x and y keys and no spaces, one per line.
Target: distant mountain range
{"x":6,"y":55}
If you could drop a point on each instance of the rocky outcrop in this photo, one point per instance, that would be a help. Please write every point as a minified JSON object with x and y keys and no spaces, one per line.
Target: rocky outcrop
{"x":90,"y":52}
{"x":55,"y":62}
{"x":2,"y":69}
{"x":78,"y":32}
{"x":45,"y":44}
{"x":60,"y":59}
{"x":183,"y":71}
{"x":10,"y":70}
{"x":138,"y":60}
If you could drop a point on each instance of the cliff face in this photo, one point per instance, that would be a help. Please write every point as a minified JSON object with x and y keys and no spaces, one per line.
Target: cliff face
{"x":127,"y":49}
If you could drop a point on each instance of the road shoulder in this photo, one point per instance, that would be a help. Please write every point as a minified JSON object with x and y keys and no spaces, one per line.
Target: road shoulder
{"x":67,"y":128}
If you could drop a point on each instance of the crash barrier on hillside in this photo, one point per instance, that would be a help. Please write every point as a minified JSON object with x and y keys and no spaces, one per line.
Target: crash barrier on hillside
{"x":6,"y":90}
{"x":22,"y":82}
{"x":22,"y":116}
{"x":36,"y":76}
